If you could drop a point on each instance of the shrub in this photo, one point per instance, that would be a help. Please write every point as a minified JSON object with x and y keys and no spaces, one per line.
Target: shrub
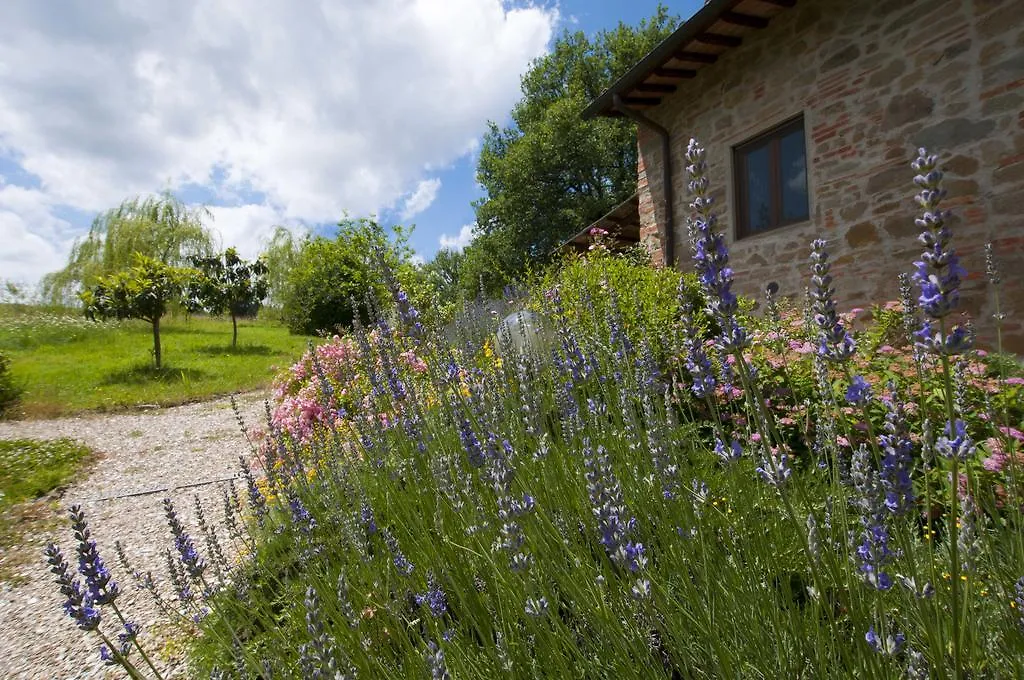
{"x":333,"y":281}
{"x":646,"y":298}
{"x":9,"y":390}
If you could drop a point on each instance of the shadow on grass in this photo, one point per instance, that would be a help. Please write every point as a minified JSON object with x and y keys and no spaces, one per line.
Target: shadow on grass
{"x":146,"y":373}
{"x":240,"y":350}
{"x":185,"y":328}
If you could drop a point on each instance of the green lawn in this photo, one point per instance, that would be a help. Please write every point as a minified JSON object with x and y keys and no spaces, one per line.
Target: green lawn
{"x":67,"y":364}
{"x":30,"y":469}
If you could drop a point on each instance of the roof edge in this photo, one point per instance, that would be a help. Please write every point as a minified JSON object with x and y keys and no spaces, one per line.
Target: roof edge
{"x":699,"y":23}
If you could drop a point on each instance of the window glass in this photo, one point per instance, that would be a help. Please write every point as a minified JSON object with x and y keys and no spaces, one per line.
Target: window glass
{"x":793,"y":166}
{"x":771,"y":180}
{"x":759,"y":189}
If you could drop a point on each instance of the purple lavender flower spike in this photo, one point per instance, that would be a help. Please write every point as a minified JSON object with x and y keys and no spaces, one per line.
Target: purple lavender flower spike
{"x":537,"y":607}
{"x":775,"y":471}
{"x":435,"y":662}
{"x":183,"y":544}
{"x":698,"y":364}
{"x":434,"y":599}
{"x":859,"y":391}
{"x":401,"y":562}
{"x":317,"y":657}
{"x":367,"y":519}
{"x":873,"y":551}
{"x":955,"y":442}
{"x":300,"y":515}
{"x":711,"y":256}
{"x":257,"y":502}
{"x":77,"y":604}
{"x":897,"y":460}
{"x":890,"y":645}
{"x":728,"y":454}
{"x":834,"y":343}
{"x":107,"y":657}
{"x":101,"y":589}
{"x":613,"y":520}
{"x":938,"y":273}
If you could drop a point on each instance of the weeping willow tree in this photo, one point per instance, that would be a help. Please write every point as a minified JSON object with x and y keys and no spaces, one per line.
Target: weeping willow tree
{"x":281,"y":254}
{"x":159,"y":227}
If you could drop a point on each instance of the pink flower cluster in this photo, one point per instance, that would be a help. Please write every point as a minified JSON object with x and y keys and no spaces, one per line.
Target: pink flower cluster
{"x":303,"y":405}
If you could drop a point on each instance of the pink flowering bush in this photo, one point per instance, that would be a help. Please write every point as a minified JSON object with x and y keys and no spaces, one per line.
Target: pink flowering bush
{"x":331,"y":388}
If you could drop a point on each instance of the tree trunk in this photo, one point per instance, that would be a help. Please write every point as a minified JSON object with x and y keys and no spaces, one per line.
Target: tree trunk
{"x":234,"y":331}
{"x":156,"y":341}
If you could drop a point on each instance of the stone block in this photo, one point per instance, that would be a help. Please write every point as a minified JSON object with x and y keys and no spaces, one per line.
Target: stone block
{"x":908,"y":107}
{"x":889,"y":179}
{"x":861,"y":234}
{"x":841,"y":57}
{"x":951,"y":133}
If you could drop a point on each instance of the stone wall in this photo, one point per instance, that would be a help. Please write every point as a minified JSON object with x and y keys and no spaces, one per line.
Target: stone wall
{"x":874,"y":80}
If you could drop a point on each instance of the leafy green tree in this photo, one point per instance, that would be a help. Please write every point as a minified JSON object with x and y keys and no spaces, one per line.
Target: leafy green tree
{"x":441,"y":278}
{"x":332,"y":279}
{"x":550,"y":173}
{"x":280,"y":254}
{"x":227,"y":284}
{"x":160,"y":227}
{"x":140,"y":292}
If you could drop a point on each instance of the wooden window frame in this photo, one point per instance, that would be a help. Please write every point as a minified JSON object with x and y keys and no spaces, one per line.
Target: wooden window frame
{"x":739,"y":157}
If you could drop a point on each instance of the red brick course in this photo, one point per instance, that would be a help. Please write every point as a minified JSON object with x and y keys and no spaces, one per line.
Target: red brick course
{"x":874,"y":80}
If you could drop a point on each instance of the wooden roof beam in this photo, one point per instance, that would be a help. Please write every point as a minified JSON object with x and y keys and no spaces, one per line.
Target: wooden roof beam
{"x":655,"y":87}
{"x":746,"y":20}
{"x":720,"y":40}
{"x":780,"y":3}
{"x":697,"y":57}
{"x":642,"y":101}
{"x":665,"y":72}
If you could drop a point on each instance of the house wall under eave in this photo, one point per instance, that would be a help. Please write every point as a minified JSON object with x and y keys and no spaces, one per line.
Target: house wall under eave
{"x":874,"y":80}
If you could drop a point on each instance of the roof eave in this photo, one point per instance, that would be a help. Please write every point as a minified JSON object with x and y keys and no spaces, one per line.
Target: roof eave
{"x":700,"y":22}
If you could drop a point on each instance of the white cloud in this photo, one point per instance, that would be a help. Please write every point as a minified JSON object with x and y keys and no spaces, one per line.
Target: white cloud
{"x":316,"y":107}
{"x":248,"y":227}
{"x":460,"y":240}
{"x":421,"y":198}
{"x":32,"y":240}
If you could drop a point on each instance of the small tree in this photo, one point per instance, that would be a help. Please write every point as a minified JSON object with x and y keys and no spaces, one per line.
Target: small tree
{"x":141,"y":292}
{"x":161,"y":227}
{"x":227,"y":283}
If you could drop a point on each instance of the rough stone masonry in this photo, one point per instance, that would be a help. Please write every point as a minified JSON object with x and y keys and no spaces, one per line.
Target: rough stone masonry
{"x":874,"y":81}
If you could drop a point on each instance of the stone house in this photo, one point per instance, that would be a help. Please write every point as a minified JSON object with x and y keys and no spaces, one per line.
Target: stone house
{"x":811,"y":111}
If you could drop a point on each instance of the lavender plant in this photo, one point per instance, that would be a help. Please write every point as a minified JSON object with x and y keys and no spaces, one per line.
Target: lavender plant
{"x":742,"y":498}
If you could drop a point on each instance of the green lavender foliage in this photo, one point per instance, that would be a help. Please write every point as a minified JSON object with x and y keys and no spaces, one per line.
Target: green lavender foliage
{"x":591,"y":514}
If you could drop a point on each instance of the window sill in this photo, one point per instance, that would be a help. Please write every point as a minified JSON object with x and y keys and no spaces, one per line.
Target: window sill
{"x":761,"y":235}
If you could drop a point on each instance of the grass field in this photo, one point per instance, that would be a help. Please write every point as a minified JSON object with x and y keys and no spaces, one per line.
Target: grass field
{"x":67,"y":364}
{"x":30,"y":469}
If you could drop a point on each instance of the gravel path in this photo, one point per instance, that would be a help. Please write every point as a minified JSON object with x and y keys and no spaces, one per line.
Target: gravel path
{"x":163,"y":448}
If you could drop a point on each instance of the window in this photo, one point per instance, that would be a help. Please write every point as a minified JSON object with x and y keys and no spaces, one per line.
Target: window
{"x":771,"y":180}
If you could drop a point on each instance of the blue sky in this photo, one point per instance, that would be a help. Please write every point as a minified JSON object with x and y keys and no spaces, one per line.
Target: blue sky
{"x":293,"y":115}
{"x":452,"y":209}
